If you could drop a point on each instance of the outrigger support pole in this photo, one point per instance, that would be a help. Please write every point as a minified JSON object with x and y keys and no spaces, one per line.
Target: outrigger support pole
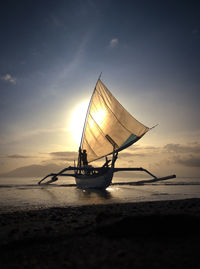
{"x":134,"y":169}
{"x":99,"y":169}
{"x":144,"y":170}
{"x":54,"y":175}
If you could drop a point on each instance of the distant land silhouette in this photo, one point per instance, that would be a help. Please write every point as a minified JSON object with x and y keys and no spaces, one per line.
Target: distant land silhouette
{"x":33,"y":170}
{"x":37,"y":170}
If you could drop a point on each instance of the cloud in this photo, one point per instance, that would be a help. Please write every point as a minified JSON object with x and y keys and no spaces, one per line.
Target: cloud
{"x":191,"y":161}
{"x":8,"y":78}
{"x":113,"y":42}
{"x":144,"y":151}
{"x":187,"y":155}
{"x":130,"y":155}
{"x":56,"y":21}
{"x":64,"y":155}
{"x":188,"y":148}
{"x":18,"y":156}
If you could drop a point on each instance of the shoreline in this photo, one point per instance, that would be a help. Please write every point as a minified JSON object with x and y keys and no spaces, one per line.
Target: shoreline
{"x":111,"y":235}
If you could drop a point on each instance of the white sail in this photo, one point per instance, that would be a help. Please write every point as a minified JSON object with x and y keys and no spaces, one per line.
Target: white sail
{"x":108,"y":125}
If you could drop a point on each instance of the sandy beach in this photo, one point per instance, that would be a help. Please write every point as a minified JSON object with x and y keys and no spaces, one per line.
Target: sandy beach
{"x":161,"y":234}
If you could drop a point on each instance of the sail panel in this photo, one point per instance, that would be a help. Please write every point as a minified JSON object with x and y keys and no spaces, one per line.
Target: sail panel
{"x":108,"y":125}
{"x":131,"y":140}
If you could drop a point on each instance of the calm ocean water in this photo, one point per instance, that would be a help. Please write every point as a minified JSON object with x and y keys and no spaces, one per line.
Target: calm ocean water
{"x":24,"y":193}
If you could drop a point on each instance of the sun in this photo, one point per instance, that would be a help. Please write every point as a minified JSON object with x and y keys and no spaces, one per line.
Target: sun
{"x":77,"y":121}
{"x":99,"y":116}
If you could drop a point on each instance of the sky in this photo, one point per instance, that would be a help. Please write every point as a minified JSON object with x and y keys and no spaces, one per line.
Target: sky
{"x":51,"y":55}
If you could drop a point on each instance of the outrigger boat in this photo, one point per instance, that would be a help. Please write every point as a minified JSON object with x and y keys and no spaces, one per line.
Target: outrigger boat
{"x":108,"y":129}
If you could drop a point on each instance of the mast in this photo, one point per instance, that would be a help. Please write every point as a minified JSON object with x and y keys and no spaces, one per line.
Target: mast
{"x":88,"y":109}
{"x":85,"y":122}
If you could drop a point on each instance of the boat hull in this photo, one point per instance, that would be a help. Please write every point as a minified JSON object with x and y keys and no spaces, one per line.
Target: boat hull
{"x":100,"y":181}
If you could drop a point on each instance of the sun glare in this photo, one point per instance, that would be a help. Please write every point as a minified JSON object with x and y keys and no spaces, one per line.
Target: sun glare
{"x":98,"y":116}
{"x":77,"y":121}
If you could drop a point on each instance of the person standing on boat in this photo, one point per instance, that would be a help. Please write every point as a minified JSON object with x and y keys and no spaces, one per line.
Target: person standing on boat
{"x":85,"y":162}
{"x":84,"y":157}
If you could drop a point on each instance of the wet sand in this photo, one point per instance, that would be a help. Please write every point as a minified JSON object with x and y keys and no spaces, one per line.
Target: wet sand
{"x":164,"y":234}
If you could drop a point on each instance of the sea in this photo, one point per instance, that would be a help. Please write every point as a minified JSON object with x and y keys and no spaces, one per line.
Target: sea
{"x":18,"y":194}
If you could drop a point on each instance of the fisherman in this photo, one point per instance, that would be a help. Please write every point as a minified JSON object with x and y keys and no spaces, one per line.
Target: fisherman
{"x":84,"y":157}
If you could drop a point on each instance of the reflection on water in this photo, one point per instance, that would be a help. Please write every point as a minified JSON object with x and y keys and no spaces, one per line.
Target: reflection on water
{"x":24,"y":193}
{"x":105,"y":194}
